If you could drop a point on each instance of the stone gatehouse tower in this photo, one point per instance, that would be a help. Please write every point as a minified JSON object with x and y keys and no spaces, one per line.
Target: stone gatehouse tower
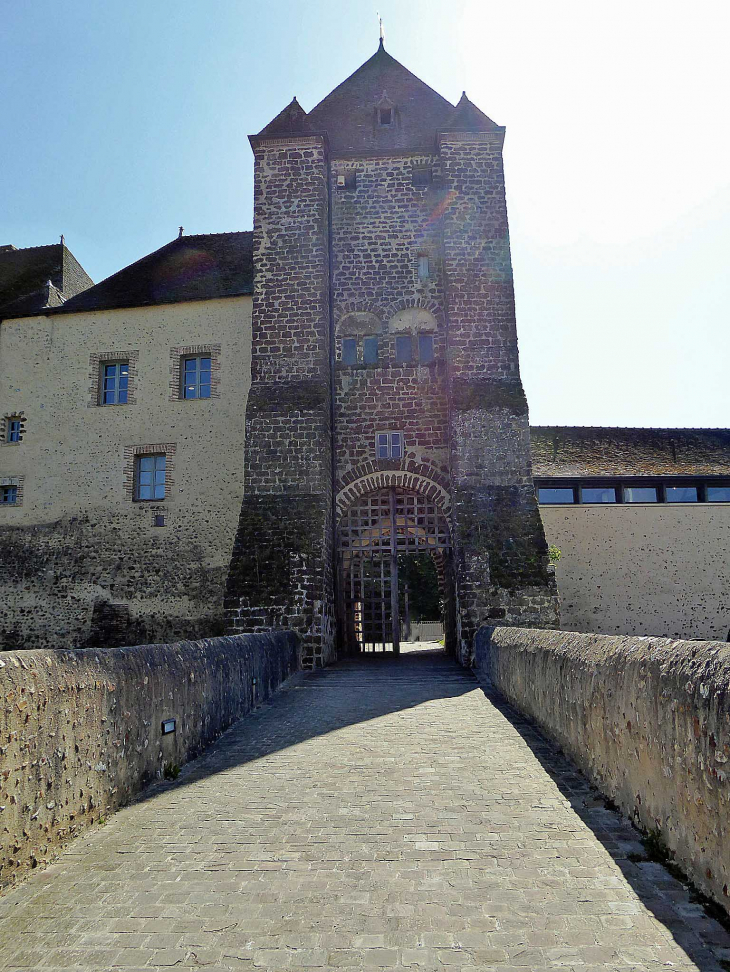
{"x":386,"y":416}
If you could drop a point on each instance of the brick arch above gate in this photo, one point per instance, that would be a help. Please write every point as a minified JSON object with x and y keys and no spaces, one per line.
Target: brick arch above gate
{"x":369,"y":477}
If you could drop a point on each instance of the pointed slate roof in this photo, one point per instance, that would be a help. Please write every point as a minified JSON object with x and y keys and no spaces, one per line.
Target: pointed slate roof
{"x":25,"y":276}
{"x":466,"y":117}
{"x":189,"y":268}
{"x":349,"y":113}
{"x":291,"y":119}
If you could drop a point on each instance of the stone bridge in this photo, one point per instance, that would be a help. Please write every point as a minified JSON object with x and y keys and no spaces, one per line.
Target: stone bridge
{"x":380,"y":813}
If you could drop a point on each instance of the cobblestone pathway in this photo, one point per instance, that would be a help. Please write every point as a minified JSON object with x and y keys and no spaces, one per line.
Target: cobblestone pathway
{"x":377,"y":815}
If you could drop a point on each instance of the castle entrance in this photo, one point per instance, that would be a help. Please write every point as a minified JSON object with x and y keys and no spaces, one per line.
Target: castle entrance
{"x":385,"y":540}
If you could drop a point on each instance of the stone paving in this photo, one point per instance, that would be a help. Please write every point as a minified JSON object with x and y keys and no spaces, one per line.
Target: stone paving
{"x":379,"y":814}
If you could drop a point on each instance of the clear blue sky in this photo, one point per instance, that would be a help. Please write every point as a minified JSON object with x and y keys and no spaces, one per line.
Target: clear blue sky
{"x":122,"y":119}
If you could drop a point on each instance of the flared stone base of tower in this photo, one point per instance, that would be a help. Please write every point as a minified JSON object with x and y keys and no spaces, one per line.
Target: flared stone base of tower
{"x":281,"y":573}
{"x":502,"y":573}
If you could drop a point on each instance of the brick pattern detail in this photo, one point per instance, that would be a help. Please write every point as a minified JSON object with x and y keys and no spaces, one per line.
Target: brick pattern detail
{"x":19,"y":482}
{"x":382,"y":474}
{"x":97,"y":360}
{"x":130,"y":454}
{"x":5,"y":427}
{"x":177,"y":355}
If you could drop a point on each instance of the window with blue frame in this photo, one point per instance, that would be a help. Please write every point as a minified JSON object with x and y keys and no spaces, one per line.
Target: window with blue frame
{"x":149,"y":478}
{"x":8,"y":495}
{"x":349,"y":351}
{"x":115,"y":383}
{"x":403,"y":349}
{"x":389,"y":445}
{"x":556,"y":494}
{"x":370,"y":349}
{"x":196,"y":377}
{"x":425,"y":348}
{"x":14,"y":429}
{"x":681,"y":494}
{"x":718,"y":494}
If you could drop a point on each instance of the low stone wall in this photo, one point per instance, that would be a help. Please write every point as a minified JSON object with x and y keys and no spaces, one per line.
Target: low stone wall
{"x":647,"y":719}
{"x":81,"y":731}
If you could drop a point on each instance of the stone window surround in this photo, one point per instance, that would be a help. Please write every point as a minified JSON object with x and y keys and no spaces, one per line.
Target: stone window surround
{"x":178,"y":355}
{"x":5,"y":427}
{"x":96,"y":364}
{"x":131,"y":453}
{"x":18,"y":482}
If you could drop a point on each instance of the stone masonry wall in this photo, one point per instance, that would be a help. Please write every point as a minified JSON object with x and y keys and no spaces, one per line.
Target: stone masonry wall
{"x":647,"y":719}
{"x":501,"y":553}
{"x":81,"y":731}
{"x":80,"y":546}
{"x":281,"y":574}
{"x":379,"y":229}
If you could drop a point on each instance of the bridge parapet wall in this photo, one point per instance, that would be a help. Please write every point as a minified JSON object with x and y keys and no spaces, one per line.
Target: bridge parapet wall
{"x":82,"y":731}
{"x":647,"y":719}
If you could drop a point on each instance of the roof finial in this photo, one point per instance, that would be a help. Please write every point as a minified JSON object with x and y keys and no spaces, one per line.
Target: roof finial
{"x":179,"y":235}
{"x":63,"y":240}
{"x":382,"y":31}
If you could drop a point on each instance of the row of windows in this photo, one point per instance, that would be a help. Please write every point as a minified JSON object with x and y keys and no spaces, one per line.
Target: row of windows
{"x":652,"y":492}
{"x":367,"y":351}
{"x":195,"y":380}
{"x":421,"y":178}
{"x":150,"y":470}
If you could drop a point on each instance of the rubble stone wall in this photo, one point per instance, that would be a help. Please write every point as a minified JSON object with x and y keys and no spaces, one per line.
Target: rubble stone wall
{"x":281,"y":574}
{"x":79,"y":544}
{"x":81,"y":731}
{"x":501,"y":564}
{"x":647,"y":719}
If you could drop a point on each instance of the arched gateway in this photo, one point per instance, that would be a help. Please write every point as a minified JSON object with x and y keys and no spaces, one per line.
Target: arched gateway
{"x":375,"y":533}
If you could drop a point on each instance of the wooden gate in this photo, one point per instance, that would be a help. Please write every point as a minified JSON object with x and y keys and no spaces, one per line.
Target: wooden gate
{"x":372,"y":533}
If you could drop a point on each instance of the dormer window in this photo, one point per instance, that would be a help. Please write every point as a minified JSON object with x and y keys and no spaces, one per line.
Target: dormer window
{"x":385,"y":115}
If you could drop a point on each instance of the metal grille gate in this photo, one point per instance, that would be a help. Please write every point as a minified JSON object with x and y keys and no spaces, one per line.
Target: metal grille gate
{"x":373,"y":532}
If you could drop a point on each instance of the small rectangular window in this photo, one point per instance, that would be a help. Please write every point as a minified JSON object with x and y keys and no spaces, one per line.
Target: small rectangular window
{"x":115,"y":383}
{"x":370,"y":350}
{"x":556,"y":494}
{"x":424,"y":268}
{"x":149,"y":478}
{"x":681,"y":494}
{"x":598,"y":494}
{"x":403,"y":349}
{"x":196,"y":377}
{"x":425,"y":348}
{"x":8,"y":495}
{"x":421,"y":176}
{"x":640,"y":494}
{"x":389,"y":445}
{"x":349,"y":351}
{"x":718,"y":494}
{"x":386,"y":116}
{"x":15,"y":433}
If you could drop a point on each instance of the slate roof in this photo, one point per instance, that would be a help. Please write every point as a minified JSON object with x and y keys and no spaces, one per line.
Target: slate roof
{"x":565,"y":452}
{"x":349,"y":114}
{"x":24,"y":276}
{"x":200,"y":267}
